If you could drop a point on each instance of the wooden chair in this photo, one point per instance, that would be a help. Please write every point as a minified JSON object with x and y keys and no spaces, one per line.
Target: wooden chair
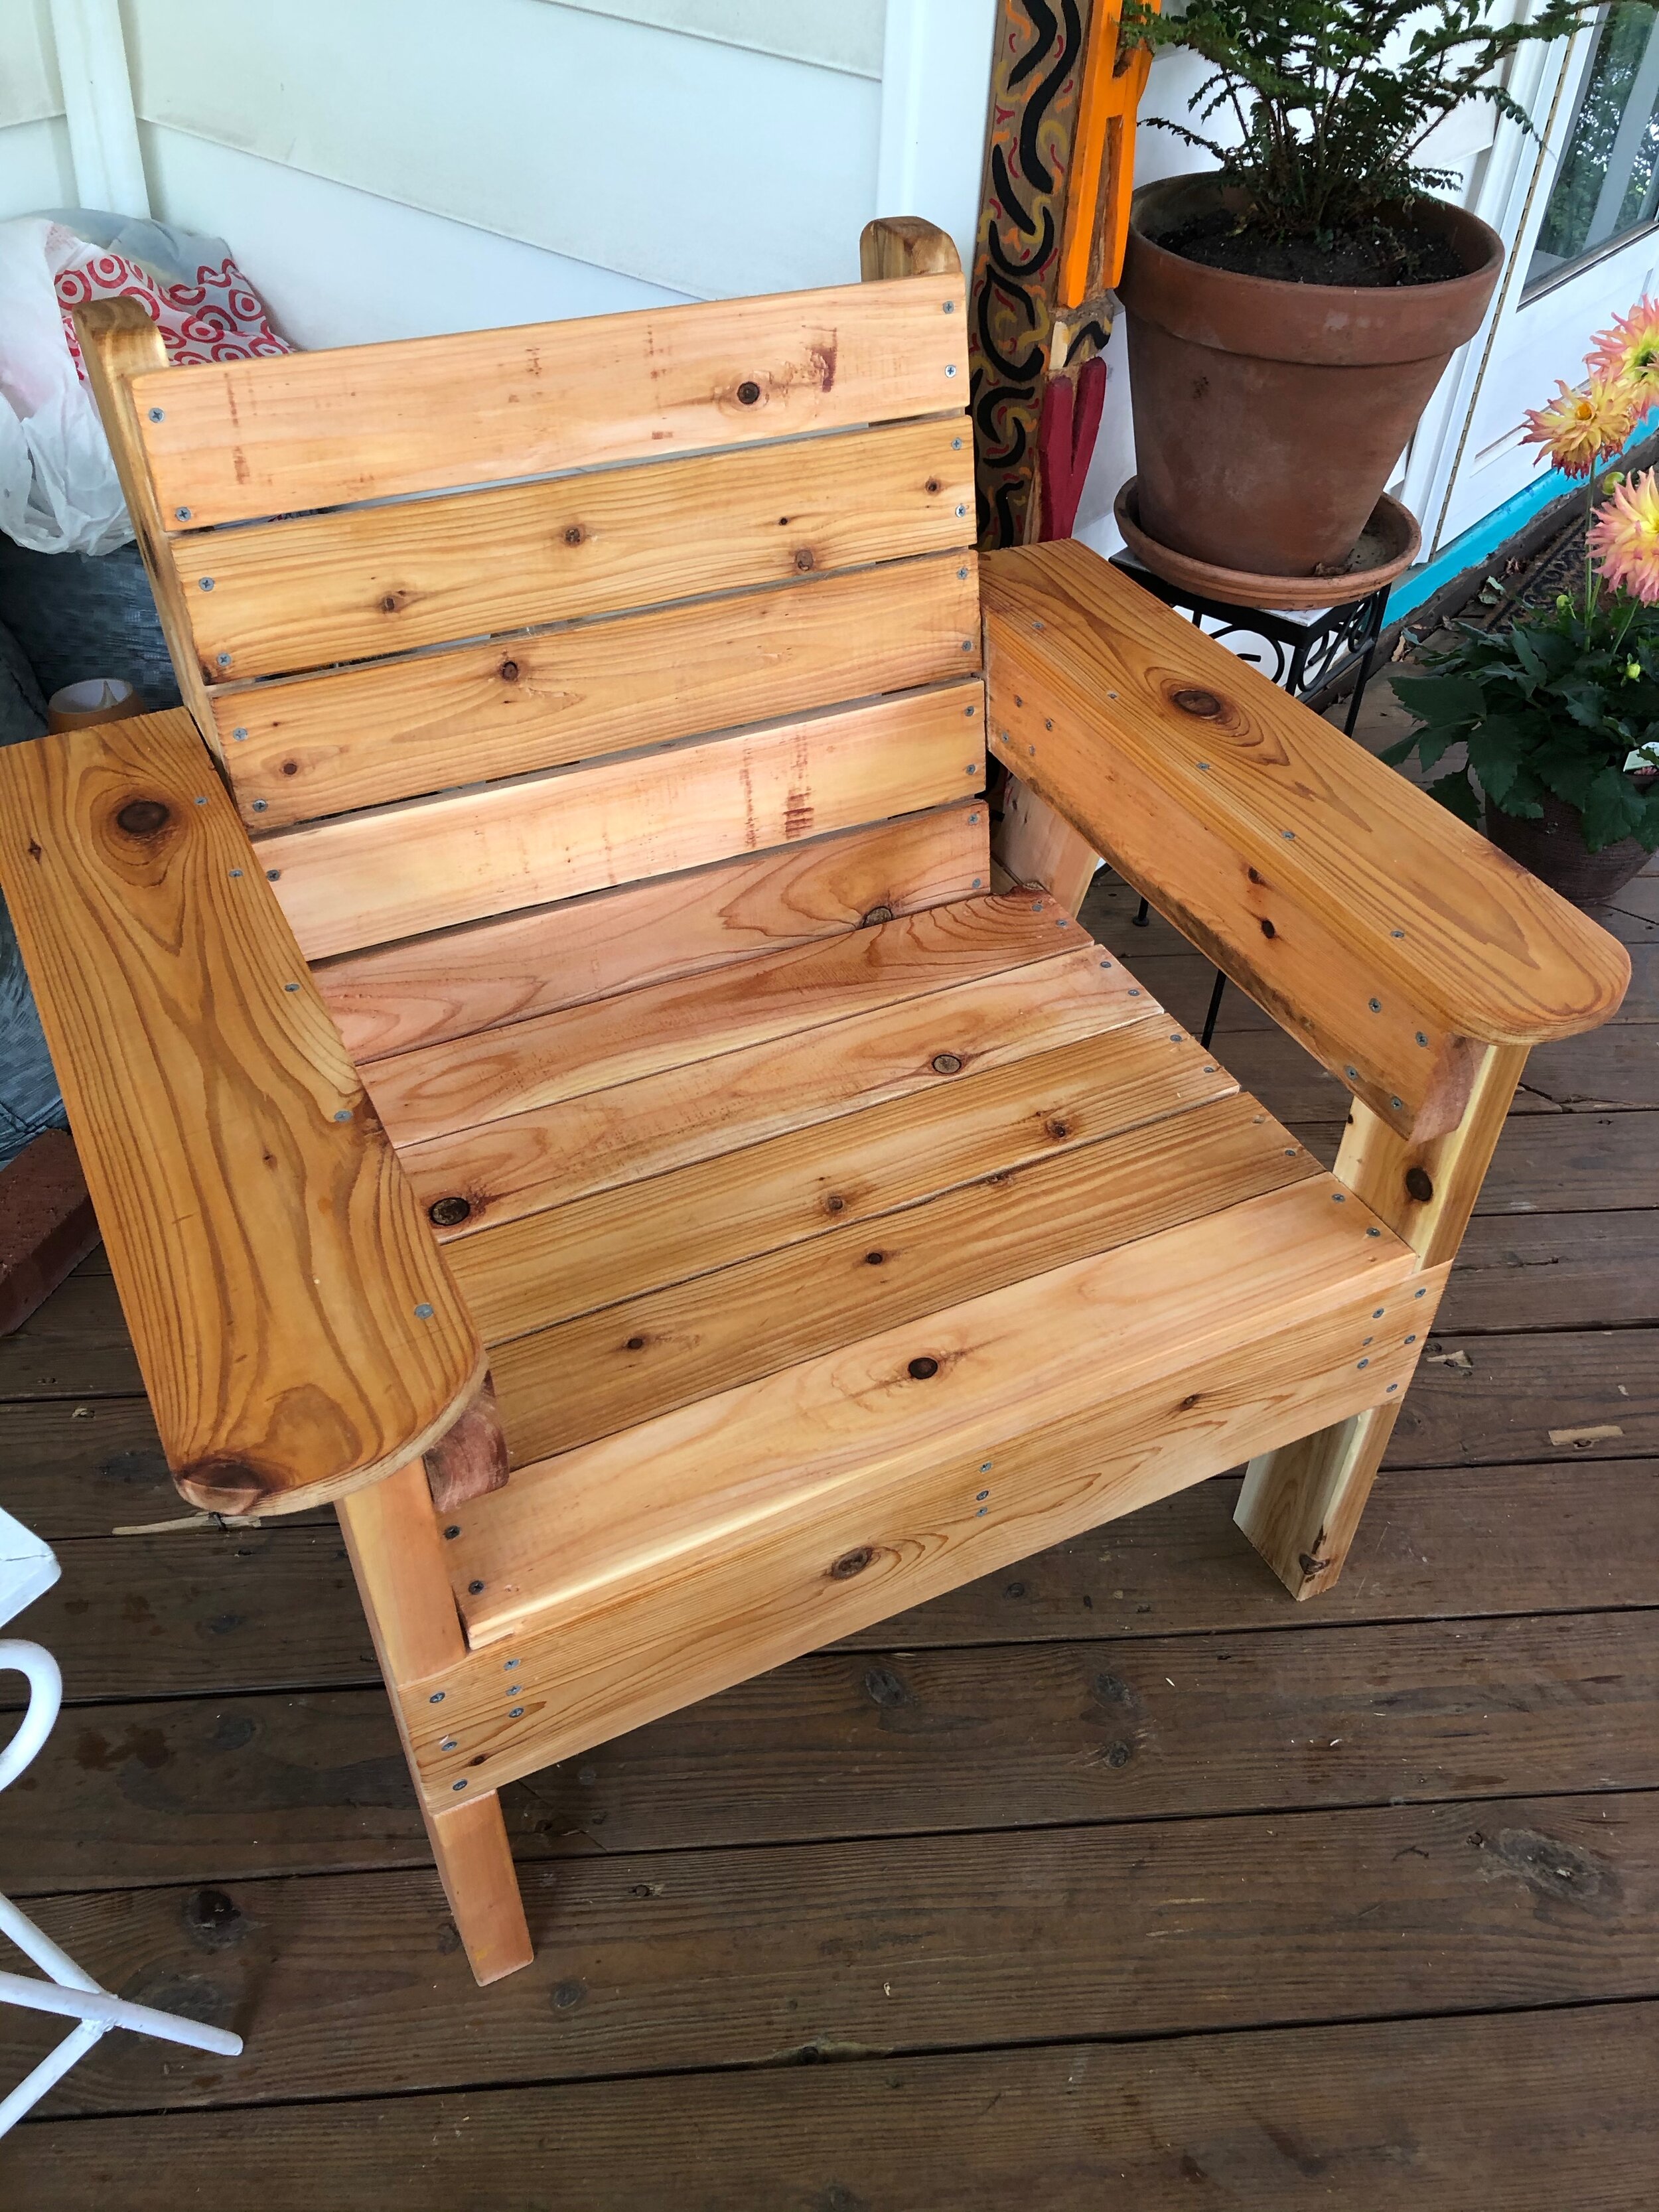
{"x":560,"y":938}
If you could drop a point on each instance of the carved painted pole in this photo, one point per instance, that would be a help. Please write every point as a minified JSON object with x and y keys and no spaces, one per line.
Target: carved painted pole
{"x":1054,"y":217}
{"x":1059,"y":169}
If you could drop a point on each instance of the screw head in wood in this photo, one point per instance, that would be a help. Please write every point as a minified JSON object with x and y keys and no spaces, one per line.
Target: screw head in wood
{"x":452,"y":1531}
{"x":949,"y":368}
{"x":241,"y":736}
{"x":947,"y":1063}
{"x":206,"y":583}
{"x":343,"y":1113}
{"x":423,"y":1311}
{"x":436,"y":1698}
{"x":157,"y":414}
{"x":922,"y":1368}
{"x":461,"y":1784}
{"x":749,"y":392}
{"x":259,"y":805}
{"x":477,"y":1588}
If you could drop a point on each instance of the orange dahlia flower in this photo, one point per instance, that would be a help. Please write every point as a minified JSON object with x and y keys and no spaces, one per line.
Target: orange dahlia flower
{"x":1624,"y":537}
{"x":1629,"y":352}
{"x":1577,"y":429}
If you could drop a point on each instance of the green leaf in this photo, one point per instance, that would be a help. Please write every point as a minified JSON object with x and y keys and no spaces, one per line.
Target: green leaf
{"x":1457,"y":795}
{"x":1612,"y":809}
{"x":1440,"y":699}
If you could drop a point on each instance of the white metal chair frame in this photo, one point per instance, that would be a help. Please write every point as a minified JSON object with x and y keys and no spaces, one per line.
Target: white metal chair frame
{"x":28,"y":1569}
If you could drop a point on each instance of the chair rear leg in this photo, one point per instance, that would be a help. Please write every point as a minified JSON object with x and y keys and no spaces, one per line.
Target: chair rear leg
{"x":1300,"y":1505}
{"x":397,"y":1555}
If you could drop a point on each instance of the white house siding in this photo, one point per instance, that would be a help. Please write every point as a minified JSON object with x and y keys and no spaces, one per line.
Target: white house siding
{"x":34,"y":160}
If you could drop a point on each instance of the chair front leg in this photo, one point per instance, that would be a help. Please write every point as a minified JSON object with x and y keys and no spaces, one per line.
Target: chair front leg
{"x":397,"y":1555}
{"x":1300,"y":1505}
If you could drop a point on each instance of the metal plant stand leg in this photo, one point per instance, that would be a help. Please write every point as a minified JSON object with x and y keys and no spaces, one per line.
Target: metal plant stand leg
{"x":26,"y":1569}
{"x":1305,"y":651}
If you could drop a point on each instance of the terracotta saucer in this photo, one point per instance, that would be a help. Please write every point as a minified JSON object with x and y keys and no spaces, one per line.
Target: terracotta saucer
{"x":1387,"y":545}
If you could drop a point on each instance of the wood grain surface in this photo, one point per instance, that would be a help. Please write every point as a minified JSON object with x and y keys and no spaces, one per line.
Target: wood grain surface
{"x":1338,"y":838}
{"x":297,"y":1329}
{"x":364,"y":580}
{"x":363,"y":879}
{"x":461,"y":981}
{"x":304,"y":430}
{"x":311,"y":746}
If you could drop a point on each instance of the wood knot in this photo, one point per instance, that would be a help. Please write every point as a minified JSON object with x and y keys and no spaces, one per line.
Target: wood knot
{"x":509,"y":672}
{"x":876,"y":914}
{"x":1058,"y":1130}
{"x":1419,"y":1185}
{"x":922,"y":1370}
{"x":448,"y":1213}
{"x":575,"y":535}
{"x":947,"y":1063}
{"x":749,"y":392}
{"x":389,"y":603}
{"x":851,"y":1564}
{"x":634,"y":1344}
{"x":143,"y":817}
{"x":1205,"y":704}
{"x":803,"y":558}
{"x":1267,"y":929}
{"x":290,"y":768}
{"x":931,"y":484}
{"x":874,"y":1258}
{"x":834,"y":1204}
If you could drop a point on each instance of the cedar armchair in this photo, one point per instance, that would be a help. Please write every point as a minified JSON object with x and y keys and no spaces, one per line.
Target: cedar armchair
{"x":561,"y":1075}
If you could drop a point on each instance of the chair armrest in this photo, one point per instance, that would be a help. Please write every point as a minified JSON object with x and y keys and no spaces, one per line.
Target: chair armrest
{"x":1387,"y":936}
{"x":298,"y":1331}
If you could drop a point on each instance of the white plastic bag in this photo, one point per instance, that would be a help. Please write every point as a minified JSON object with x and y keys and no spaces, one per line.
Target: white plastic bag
{"x":58,"y":491}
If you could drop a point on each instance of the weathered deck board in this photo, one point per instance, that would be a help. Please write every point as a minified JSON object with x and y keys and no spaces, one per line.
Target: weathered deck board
{"x":352,"y":1985}
{"x":201,"y":1614}
{"x":1508,"y":2111}
{"x":879,"y":1743}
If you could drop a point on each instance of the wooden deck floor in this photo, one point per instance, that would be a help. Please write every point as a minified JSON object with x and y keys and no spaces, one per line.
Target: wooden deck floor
{"x":1113,"y":1880}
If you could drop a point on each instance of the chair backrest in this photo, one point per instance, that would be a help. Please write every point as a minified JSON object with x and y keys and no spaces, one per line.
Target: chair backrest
{"x":479,"y":622}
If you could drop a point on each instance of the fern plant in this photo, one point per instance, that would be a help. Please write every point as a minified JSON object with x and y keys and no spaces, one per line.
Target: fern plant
{"x":1333,"y":98}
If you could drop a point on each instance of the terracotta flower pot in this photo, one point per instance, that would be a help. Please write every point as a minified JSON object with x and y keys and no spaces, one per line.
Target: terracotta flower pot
{"x":1269,"y":415}
{"x":1555,"y":849}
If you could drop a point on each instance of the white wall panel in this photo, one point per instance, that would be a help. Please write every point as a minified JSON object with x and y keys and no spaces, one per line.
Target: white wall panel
{"x":703,"y":167}
{"x":29,"y":90}
{"x":35,"y":170}
{"x":844,"y":35}
{"x":339,"y":267}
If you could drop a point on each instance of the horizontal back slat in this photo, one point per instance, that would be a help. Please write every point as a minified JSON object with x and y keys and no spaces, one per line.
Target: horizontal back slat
{"x":475,"y":978}
{"x":368,"y":879}
{"x":324,"y":745}
{"x":233,"y":440}
{"x":342,"y":587}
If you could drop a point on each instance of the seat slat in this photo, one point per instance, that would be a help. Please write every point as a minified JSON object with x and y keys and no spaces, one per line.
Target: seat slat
{"x":986,"y":1369}
{"x":844,"y":1554}
{"x":365,"y":879}
{"x":483,"y":974}
{"x":281,"y":595}
{"x":240,"y":438}
{"x":588,"y":1377}
{"x":522,"y":1274}
{"x":299,"y":747}
{"x":505,"y":1170}
{"x":441,"y":1088}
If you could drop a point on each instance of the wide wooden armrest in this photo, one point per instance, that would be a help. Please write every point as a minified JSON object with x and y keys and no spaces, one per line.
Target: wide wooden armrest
{"x":298,"y":1331}
{"x":1387,"y":935}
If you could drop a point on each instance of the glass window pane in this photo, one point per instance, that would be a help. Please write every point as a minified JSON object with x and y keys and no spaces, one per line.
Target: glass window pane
{"x":1608,"y":180}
